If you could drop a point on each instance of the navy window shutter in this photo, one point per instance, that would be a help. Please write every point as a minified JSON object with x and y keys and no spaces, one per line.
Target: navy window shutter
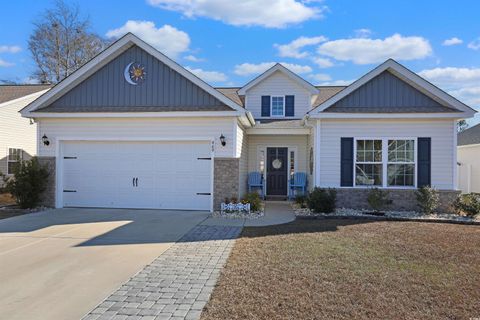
{"x":424,"y":159}
{"x":289,"y":106}
{"x":346,"y":162}
{"x":265,"y":106}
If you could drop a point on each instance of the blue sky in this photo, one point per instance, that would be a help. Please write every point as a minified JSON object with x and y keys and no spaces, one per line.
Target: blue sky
{"x":228,"y":42}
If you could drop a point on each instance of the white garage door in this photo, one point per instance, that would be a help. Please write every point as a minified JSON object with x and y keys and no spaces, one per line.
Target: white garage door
{"x":164,"y":175}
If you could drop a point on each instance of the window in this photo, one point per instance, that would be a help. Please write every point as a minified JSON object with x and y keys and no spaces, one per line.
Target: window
{"x":292,"y":163}
{"x":261,"y":161}
{"x":278,"y":106}
{"x":401,"y":163}
{"x":368,"y":163}
{"x":14,"y":157}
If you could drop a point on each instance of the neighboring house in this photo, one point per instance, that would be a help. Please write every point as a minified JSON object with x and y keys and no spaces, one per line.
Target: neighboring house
{"x":469,"y":160}
{"x":18,"y":137}
{"x":133,"y":129}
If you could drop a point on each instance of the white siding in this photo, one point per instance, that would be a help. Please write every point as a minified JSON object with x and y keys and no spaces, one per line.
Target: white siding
{"x":277,"y":84}
{"x":140,"y":128}
{"x":441,"y":132}
{"x":469,"y":170}
{"x":242,"y":154}
{"x":256,"y":141}
{"x":15,"y":131}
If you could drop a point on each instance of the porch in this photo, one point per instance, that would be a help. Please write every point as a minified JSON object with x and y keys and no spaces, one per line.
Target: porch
{"x":277,"y":150}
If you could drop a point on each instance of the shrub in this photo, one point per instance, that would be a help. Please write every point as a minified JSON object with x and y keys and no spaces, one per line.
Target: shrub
{"x":254,"y":199}
{"x":427,"y":198}
{"x":378,"y":199}
{"x":322,"y":200}
{"x":28,"y":183}
{"x":468,"y":204}
{"x":301,"y":200}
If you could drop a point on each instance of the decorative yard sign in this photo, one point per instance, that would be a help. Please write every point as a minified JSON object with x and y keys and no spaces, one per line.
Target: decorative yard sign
{"x":235,"y":207}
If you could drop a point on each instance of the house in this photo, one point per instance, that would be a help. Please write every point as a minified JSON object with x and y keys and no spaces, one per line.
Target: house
{"x":17,"y":135}
{"x":468,"y":156}
{"x":133,"y":129}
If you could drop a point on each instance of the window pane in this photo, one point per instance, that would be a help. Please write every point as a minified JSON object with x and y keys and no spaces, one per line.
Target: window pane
{"x":277,"y":106}
{"x":401,"y":151}
{"x":401,"y":175}
{"x":11,"y":167}
{"x":369,"y":150}
{"x":292,"y":163}
{"x":368,"y":174}
{"x":261,"y":164}
{"x":14,"y":154}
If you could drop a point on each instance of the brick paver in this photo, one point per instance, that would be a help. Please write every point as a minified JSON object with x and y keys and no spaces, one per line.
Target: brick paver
{"x":178,"y":284}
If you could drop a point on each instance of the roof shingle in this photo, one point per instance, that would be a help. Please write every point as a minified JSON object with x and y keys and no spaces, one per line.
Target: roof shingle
{"x":469,"y":136}
{"x":12,"y":92}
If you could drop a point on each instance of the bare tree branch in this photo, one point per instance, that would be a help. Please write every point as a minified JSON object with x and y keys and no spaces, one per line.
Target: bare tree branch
{"x":62,"y":42}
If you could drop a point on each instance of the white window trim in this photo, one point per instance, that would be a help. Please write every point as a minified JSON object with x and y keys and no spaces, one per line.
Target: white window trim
{"x":271,"y":107}
{"x":385,"y":162}
{"x":13,"y":161}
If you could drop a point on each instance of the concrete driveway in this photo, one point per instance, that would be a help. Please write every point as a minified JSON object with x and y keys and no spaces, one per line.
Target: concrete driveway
{"x":60,"y":264}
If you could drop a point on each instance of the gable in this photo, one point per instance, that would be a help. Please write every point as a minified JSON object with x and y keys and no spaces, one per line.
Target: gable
{"x":387,"y":93}
{"x":163,"y":89}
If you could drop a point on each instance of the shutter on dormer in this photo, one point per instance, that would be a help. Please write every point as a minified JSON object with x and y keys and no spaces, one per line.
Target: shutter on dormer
{"x":265,"y":106}
{"x":289,"y":106}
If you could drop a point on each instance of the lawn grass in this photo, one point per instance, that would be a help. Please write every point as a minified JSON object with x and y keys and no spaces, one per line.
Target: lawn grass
{"x":351,"y":269}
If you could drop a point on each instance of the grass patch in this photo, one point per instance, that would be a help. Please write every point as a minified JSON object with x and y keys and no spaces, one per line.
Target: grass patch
{"x":350,"y":269}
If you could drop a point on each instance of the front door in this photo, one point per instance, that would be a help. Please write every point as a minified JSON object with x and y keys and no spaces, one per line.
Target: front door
{"x":277,"y":161}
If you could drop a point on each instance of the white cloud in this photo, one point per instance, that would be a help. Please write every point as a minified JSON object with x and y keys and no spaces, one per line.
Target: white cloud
{"x":363,"y":33}
{"x":248,"y":69}
{"x":366,"y":51}
{"x":192,"y":58}
{"x":323,"y":62}
{"x":292,"y":49}
{"x":452,"y":41}
{"x":475,"y":44}
{"x":4,"y":63}
{"x":463,"y":83}
{"x":265,"y":13}
{"x":319,"y":77}
{"x":10,"y":49}
{"x":452,"y":77}
{"x":167,"y":39}
{"x":208,"y":76}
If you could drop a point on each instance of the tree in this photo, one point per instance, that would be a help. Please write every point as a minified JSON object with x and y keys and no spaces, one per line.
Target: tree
{"x":62,"y":42}
{"x":462,"y":125}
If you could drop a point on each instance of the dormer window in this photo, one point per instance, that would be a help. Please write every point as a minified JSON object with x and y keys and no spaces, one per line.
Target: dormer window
{"x":278,"y":106}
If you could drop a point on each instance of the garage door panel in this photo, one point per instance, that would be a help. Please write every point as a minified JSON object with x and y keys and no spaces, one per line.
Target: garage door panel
{"x":165,"y":175}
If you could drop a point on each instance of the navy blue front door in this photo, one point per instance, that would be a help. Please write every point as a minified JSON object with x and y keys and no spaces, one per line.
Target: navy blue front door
{"x":277,"y":159}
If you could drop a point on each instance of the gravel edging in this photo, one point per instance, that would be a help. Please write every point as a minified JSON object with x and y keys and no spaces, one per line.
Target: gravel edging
{"x":365,"y":217}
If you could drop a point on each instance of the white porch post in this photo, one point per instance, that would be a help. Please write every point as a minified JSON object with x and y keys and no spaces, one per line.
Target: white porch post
{"x":316,"y":154}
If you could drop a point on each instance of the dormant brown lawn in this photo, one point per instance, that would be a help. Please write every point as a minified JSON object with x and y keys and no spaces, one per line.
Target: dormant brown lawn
{"x":346,"y":269}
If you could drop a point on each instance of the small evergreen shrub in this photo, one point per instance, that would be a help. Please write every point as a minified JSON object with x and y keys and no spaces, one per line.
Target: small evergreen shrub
{"x":322,"y":200}
{"x":28,"y":183}
{"x":468,"y":204}
{"x":254,"y":199}
{"x":427,"y":199}
{"x":378,"y":199}
{"x":301,"y":200}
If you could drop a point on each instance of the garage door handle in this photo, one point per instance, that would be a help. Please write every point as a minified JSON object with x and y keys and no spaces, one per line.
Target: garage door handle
{"x":133,"y":181}
{"x":204,"y":194}
{"x":136,"y":182}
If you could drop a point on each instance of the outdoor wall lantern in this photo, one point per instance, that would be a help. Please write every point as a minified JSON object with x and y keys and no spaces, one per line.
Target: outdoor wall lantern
{"x":222,"y":140}
{"x":45,"y":140}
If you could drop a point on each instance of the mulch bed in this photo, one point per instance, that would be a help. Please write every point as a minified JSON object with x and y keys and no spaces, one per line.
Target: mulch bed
{"x":351,"y":269}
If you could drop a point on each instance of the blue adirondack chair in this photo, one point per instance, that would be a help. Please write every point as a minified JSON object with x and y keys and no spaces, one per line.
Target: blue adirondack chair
{"x":298,"y":181}
{"x":255,"y":180}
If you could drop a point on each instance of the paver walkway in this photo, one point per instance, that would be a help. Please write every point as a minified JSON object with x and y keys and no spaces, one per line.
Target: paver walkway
{"x":178,"y":284}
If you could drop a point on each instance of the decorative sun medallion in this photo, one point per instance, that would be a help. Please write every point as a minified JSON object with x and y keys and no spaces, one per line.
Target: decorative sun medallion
{"x":134,"y":73}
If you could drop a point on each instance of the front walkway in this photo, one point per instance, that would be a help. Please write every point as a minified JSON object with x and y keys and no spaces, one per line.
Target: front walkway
{"x":178,"y":284}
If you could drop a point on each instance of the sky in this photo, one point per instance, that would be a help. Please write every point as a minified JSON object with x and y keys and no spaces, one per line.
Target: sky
{"x":229,"y":42}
